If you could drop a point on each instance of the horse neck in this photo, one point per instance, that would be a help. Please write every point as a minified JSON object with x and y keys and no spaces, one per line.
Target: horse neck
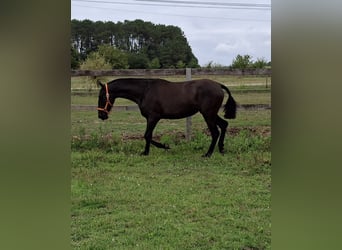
{"x":131,"y":89}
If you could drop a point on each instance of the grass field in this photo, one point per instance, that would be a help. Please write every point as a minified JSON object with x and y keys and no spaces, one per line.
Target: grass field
{"x":171,"y":199}
{"x":232,"y":81}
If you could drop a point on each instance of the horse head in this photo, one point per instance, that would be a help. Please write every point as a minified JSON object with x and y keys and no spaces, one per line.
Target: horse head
{"x":104,"y":103}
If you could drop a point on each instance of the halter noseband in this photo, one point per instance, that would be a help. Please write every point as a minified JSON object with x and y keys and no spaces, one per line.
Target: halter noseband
{"x":107,"y":101}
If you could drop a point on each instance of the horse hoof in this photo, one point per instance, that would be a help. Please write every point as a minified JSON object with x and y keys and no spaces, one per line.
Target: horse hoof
{"x":166,"y":146}
{"x":144,"y":153}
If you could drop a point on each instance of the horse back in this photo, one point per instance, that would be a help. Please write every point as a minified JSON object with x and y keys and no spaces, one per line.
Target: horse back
{"x":181,"y":99}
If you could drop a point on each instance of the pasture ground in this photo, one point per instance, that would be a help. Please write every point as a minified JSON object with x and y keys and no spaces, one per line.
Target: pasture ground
{"x":171,"y":199}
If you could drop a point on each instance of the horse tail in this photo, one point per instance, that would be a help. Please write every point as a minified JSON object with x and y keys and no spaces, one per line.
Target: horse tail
{"x":230,"y":106}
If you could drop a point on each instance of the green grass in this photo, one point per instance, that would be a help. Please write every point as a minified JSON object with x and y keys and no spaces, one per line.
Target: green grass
{"x":172,"y":199}
{"x":240,"y":97}
{"x":132,"y":124}
{"x":246,"y":90}
{"x":234,"y":81}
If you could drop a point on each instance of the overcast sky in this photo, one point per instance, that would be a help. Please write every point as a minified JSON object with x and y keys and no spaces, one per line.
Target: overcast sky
{"x":217,"y":30}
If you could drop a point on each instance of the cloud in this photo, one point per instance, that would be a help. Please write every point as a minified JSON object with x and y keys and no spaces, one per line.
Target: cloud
{"x":267,"y":43}
{"x":225,"y":47}
{"x":214,"y":34}
{"x":234,"y":46}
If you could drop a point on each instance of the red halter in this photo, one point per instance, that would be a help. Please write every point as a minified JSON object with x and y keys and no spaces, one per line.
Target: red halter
{"x":107,"y":102}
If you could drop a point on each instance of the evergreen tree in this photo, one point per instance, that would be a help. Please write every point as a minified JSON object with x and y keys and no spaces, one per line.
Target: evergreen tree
{"x":138,"y":39}
{"x":75,"y":59}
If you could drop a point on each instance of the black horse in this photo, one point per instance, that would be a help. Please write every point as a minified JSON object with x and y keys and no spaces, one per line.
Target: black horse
{"x":161,"y":99}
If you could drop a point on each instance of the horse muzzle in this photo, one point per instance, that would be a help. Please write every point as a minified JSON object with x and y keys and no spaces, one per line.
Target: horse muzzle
{"x":103,"y":115}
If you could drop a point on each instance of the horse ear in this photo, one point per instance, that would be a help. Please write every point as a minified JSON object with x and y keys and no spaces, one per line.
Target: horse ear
{"x":99,"y":84}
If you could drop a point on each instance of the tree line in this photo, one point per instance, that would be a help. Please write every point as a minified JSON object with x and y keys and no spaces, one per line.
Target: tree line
{"x":129,"y":44}
{"x":138,"y":45}
{"x":242,"y":62}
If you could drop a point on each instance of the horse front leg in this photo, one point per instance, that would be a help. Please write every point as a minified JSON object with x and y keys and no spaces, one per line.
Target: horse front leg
{"x":160,"y":145}
{"x":151,"y":124}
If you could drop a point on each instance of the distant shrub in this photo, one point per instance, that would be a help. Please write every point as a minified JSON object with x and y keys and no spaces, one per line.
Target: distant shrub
{"x":95,"y":61}
{"x":242,"y":62}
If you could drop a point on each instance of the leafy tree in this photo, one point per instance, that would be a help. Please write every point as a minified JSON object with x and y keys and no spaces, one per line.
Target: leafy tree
{"x":242,"y":62}
{"x":75,"y":59}
{"x":193,"y":63}
{"x":209,"y":64}
{"x":180,"y":65}
{"x":260,"y":63}
{"x":154,"y":64}
{"x":138,"y":61}
{"x":95,"y":61}
{"x":212,"y":65}
{"x":115,"y":57}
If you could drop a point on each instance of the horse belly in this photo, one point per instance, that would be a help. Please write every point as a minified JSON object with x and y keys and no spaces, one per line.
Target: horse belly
{"x":178,"y":110}
{"x":171,"y":101}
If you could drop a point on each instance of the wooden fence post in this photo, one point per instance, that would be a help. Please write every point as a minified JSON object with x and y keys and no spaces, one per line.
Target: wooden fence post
{"x":188,"y":119}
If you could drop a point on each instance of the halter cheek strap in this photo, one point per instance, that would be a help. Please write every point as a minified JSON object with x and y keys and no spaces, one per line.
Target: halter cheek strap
{"x":107,"y":101}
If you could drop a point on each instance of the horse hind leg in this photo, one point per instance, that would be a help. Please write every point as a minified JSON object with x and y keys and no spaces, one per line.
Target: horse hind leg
{"x":223,"y":126}
{"x":214,"y":135}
